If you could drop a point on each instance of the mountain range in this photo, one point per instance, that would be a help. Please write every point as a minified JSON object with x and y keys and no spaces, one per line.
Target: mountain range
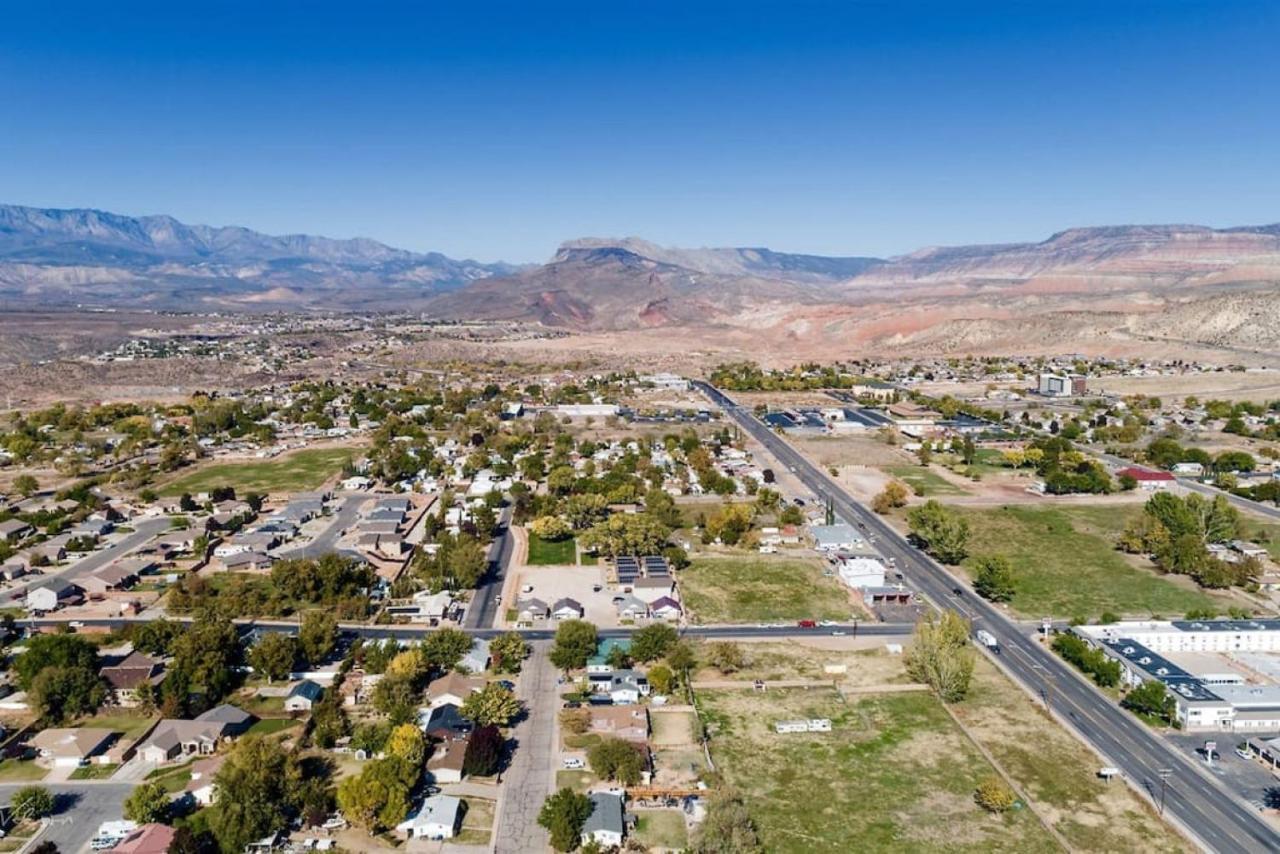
{"x":1080,"y":289}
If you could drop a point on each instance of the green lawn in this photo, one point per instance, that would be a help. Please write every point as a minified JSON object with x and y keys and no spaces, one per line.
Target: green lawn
{"x":477,"y":822}
{"x":296,"y":472}
{"x":271,"y":726}
{"x":661,"y":829}
{"x":576,"y":780}
{"x":895,"y":774}
{"x":94,"y":772}
{"x":20,"y":771}
{"x":545,"y":552}
{"x":921,"y":477}
{"x":172,"y":779}
{"x":1066,"y":563}
{"x":753,"y":590}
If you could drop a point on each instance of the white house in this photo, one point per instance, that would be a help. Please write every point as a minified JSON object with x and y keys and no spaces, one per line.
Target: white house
{"x":606,"y":824}
{"x":437,"y":818}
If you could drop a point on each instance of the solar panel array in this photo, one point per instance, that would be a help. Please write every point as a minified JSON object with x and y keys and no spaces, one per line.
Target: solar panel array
{"x":630,"y":567}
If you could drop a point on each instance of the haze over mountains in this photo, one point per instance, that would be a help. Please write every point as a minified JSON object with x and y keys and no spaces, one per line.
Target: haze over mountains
{"x":1081,"y":289}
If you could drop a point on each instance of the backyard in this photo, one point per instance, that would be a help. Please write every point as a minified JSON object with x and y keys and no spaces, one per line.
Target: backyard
{"x":899,"y":751}
{"x":752,"y":590}
{"x":551,"y":552}
{"x":295,"y":472}
{"x":1066,"y":564}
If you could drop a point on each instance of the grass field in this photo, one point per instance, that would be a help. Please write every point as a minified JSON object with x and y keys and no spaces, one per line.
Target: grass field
{"x":753,"y":590}
{"x":271,"y":726}
{"x":920,"y":477}
{"x":547,"y":553}
{"x":296,"y":472}
{"x":579,"y":781}
{"x":172,"y":778}
{"x":894,"y":775}
{"x":661,"y":829}
{"x":1066,"y":563}
{"x":1058,"y":772}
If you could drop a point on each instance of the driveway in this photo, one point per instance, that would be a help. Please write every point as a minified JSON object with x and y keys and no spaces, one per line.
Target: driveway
{"x":81,"y":809}
{"x":526,"y":784}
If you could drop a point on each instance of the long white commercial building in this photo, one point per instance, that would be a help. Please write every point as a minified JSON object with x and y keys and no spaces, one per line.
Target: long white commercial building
{"x":1210,"y":694}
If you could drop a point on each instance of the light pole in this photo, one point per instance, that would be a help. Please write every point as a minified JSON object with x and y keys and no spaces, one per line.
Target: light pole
{"x":1163,"y":774}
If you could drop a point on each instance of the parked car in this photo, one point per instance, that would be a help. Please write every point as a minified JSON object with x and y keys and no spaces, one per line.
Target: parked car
{"x":572,"y":763}
{"x":807,"y":624}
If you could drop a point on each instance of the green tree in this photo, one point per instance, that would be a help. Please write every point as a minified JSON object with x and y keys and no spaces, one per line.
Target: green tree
{"x":616,"y":759}
{"x":941,"y":657}
{"x":32,"y":802}
{"x":147,"y":803}
{"x":550,"y":528}
{"x":661,"y":679}
{"x":506,"y":652}
{"x":652,"y":642}
{"x":993,"y":578}
{"x":626,"y":533}
{"x":563,"y":815}
{"x":329,"y":720}
{"x":254,"y":788}
{"x":317,"y":635}
{"x":378,"y":797}
{"x":273,"y":656}
{"x":54,"y":650}
{"x":26,"y":485}
{"x":445,"y":647}
{"x":205,"y":658}
{"x":943,"y":532}
{"x":1151,"y":698}
{"x":575,"y":642}
{"x":492,"y":705}
{"x":60,"y":693}
{"x":583,"y":511}
{"x":408,"y":743}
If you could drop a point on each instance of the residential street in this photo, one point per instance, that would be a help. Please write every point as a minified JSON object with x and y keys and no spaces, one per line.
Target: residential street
{"x":81,"y":808}
{"x":143,"y":530}
{"x":528,"y":781}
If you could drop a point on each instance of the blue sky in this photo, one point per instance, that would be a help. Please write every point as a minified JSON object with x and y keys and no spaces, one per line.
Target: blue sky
{"x":493,"y":130}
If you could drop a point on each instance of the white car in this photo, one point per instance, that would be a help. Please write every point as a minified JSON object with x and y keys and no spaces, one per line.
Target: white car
{"x":574,"y":764}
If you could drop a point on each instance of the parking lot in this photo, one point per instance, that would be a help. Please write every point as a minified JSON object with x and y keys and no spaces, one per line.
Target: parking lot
{"x":1249,"y":778}
{"x":569,"y":582}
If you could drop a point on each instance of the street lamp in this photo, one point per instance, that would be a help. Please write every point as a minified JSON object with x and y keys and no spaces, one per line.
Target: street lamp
{"x":1163,"y":774}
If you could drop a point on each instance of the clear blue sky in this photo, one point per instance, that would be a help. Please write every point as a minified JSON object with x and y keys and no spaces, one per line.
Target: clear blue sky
{"x":496,"y":131}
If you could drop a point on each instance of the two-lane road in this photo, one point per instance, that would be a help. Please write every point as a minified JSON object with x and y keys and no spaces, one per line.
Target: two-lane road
{"x":1221,"y":821}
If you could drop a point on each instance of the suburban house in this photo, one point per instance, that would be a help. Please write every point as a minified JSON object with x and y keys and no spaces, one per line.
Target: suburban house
{"x":12,"y":571}
{"x":623,"y":687}
{"x":834,"y":538}
{"x":125,"y":678}
{"x":12,"y":530}
{"x":147,"y":839}
{"x":173,"y":738}
{"x":630,"y":607}
{"x":476,"y":659}
{"x":630,"y":723}
{"x":249,"y":561}
{"x":53,"y":594}
{"x":71,"y":748}
{"x":530,"y":610}
{"x":567,"y":609}
{"x":303,"y":696}
{"x":200,"y":787}
{"x":651,"y":588}
{"x":1148,"y":479}
{"x":665,"y":608}
{"x":606,"y":824}
{"x":437,"y":818}
{"x":444,"y":722}
{"x":452,"y":689}
{"x":445,"y":764}
{"x":357,"y":688}
{"x":120,"y":575}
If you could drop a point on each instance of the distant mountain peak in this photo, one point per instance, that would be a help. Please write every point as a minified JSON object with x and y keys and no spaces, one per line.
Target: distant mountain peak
{"x":755,"y":261}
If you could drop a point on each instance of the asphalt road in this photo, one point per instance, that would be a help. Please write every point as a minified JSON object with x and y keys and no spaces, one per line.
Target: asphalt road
{"x":483,"y":611}
{"x":327,"y":540}
{"x":143,"y":530}
{"x":80,"y":810}
{"x":1199,"y":803}
{"x":527,"y":782}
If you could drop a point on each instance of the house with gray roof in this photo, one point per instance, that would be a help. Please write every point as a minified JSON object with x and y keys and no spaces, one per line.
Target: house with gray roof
{"x":607,"y":823}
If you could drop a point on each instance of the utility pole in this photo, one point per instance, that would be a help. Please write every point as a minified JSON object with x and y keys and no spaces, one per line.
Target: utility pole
{"x":1163,"y":774}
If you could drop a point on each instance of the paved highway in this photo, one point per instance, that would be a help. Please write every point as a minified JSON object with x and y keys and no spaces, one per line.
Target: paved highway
{"x":1203,"y":807}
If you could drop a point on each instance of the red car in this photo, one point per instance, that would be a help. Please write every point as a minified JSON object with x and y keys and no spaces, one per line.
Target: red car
{"x":807,"y":624}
